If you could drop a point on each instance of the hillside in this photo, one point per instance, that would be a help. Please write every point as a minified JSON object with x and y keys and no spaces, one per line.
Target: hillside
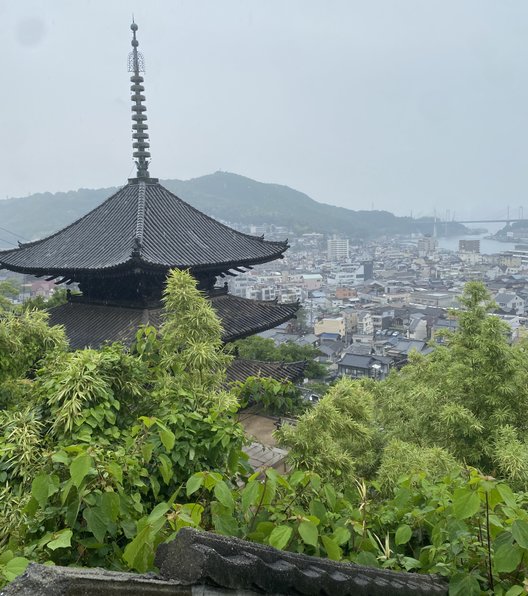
{"x":223,"y":195}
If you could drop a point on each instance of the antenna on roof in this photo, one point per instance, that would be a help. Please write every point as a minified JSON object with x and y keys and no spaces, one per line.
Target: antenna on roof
{"x":136,"y":64}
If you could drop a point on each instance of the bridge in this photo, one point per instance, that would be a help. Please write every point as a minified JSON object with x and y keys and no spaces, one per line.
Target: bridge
{"x":483,"y":221}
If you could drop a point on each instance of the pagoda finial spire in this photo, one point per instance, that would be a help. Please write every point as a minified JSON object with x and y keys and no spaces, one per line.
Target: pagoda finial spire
{"x":136,"y":65}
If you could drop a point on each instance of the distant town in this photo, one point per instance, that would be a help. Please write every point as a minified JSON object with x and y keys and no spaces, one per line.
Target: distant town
{"x":367,"y":305}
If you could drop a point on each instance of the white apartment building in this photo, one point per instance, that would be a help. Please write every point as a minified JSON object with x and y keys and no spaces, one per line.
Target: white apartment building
{"x":337,"y":249}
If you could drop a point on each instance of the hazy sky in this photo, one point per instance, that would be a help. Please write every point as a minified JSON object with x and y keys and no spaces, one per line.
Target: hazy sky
{"x":400,"y":104}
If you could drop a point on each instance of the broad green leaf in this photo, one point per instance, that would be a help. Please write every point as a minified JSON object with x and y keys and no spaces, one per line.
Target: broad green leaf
{"x":280,"y":536}
{"x":6,"y":556}
{"x":210,"y":479}
{"x":72,"y":512}
{"x":158,"y":512}
{"x":466,"y":503}
{"x":115,"y":470}
{"x":309,"y":533}
{"x":40,"y":488}
{"x":341,"y":535}
{"x":96,"y":522}
{"x":111,"y":505}
{"x":60,"y":457}
{"x":79,"y":468}
{"x":463,"y":584}
{"x":411,"y":563}
{"x":515,"y":591}
{"x":14,"y":567}
{"x":194,"y":483}
{"x":62,"y":540}
{"x":148,"y":421}
{"x":249,"y":495}
{"x":367,"y":558}
{"x":223,"y":520}
{"x":507,"y":558}
{"x":318,"y":509}
{"x":167,"y":438}
{"x":136,"y":552}
{"x":146,"y":451}
{"x":165,"y":467}
{"x":223,"y":494}
{"x":507,"y":494}
{"x":330,"y":495}
{"x":520,"y":532}
{"x":297,"y":477}
{"x":403,"y":534}
{"x":265,"y":528}
{"x":332,"y":549}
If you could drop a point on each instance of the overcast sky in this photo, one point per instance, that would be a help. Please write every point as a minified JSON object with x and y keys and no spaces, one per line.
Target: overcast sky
{"x":398,"y":104}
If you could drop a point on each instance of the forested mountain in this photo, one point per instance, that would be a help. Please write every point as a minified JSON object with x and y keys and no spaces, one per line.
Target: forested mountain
{"x":223,"y":195}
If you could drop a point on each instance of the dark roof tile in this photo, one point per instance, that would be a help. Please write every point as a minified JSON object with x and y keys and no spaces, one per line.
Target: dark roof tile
{"x":91,"y":325}
{"x":202,"y":557}
{"x":143,"y":223}
{"x":241,"y":369}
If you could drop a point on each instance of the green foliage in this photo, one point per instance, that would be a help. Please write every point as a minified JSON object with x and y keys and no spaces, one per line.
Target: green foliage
{"x":469,"y":397}
{"x":465,"y":402}
{"x":92,"y":462}
{"x":260,"y":348}
{"x":278,"y":398}
{"x":26,"y":338}
{"x":113,"y":452}
{"x":58,"y":297}
{"x":400,"y":459}
{"x":467,"y":527}
{"x":338,"y":437}
{"x":191,"y":346}
{"x":8,"y":291}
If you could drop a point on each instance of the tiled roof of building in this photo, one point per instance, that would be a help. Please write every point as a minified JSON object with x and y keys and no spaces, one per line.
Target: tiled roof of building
{"x":143,"y":224}
{"x":360,"y":361}
{"x":205,"y":563}
{"x":201,"y":557}
{"x":91,"y":325}
{"x":242,"y":317}
{"x":241,"y":369}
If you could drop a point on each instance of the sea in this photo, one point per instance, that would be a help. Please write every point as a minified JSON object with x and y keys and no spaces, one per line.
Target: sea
{"x":487,"y":247}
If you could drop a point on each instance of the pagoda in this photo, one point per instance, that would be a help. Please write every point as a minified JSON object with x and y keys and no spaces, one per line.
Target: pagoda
{"x":119,"y":255}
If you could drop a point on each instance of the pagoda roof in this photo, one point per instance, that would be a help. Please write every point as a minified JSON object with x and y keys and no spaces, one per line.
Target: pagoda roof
{"x":92,"y":325}
{"x":142,"y":225}
{"x":241,"y":369}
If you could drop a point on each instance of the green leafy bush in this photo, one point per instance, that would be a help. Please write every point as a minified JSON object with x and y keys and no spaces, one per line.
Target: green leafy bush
{"x":106,"y":437}
{"x":278,"y":398}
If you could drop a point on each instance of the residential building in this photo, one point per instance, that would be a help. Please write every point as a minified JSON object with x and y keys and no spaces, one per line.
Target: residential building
{"x":330,"y":325}
{"x":338,"y":249}
{"x":509,"y":302}
{"x":358,"y":365}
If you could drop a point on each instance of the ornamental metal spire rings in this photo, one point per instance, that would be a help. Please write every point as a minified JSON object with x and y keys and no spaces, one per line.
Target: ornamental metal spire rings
{"x":136,"y":64}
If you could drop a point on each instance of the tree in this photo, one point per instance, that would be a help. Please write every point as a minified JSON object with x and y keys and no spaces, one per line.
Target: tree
{"x":278,"y":398}
{"x":58,"y":297}
{"x":469,"y":396}
{"x":464,"y":403}
{"x":336,"y":438}
{"x":259,"y":348}
{"x":8,"y":291}
{"x":104,"y":439}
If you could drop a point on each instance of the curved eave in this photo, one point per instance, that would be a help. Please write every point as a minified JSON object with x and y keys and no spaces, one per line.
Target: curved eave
{"x":135,"y":262}
{"x":242,"y":317}
{"x":240,"y":369}
{"x":257,"y":329}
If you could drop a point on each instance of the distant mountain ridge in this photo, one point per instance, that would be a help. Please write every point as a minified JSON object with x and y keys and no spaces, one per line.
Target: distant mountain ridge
{"x":222,"y":195}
